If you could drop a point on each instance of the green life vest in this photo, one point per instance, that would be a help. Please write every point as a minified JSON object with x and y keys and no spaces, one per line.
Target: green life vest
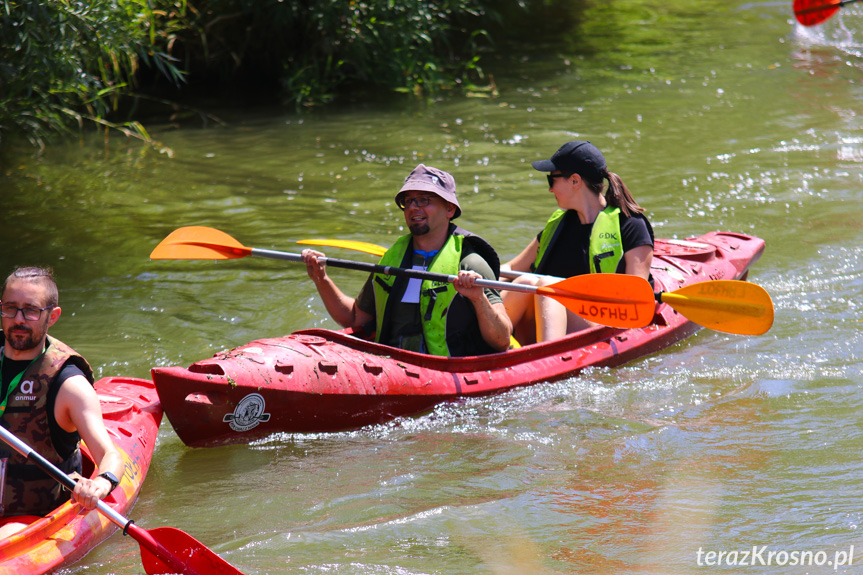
{"x":606,"y":243}
{"x":435,"y":296}
{"x":549,"y":233}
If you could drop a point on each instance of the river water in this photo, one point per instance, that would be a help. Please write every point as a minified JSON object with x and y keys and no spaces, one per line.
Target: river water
{"x":718,"y":115}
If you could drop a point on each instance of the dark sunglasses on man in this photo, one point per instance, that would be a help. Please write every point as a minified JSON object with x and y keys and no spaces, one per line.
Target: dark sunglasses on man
{"x":419,"y":201}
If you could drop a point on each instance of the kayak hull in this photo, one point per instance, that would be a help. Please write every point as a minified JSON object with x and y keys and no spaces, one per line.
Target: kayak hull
{"x":319,"y":380}
{"x":132,"y":414}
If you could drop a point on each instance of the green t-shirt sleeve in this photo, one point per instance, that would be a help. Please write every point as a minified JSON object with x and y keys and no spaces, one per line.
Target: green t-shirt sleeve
{"x":472,"y":261}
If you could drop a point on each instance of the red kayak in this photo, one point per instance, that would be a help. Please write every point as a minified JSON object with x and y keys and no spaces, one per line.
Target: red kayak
{"x":319,"y":380}
{"x":132,"y":414}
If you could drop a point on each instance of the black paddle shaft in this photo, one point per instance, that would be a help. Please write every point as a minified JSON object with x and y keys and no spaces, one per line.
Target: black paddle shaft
{"x":389,"y":270}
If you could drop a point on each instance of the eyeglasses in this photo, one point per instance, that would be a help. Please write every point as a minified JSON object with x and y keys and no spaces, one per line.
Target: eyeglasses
{"x":8,"y":310}
{"x":419,"y":201}
{"x":551,"y":177}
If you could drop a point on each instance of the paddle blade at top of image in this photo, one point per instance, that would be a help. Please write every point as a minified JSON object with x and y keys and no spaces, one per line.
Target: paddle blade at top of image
{"x":814,"y":12}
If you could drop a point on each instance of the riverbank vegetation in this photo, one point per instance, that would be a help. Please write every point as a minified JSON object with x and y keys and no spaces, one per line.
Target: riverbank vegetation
{"x":65,"y":64}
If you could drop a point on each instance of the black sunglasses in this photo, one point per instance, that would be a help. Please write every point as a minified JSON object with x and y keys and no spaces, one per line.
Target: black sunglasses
{"x":419,"y":201}
{"x":551,"y":177}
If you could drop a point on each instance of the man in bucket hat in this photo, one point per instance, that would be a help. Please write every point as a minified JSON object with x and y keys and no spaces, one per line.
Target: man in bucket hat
{"x":439,"y":318}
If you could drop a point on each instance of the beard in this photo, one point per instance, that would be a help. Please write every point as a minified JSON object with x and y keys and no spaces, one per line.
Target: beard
{"x":419,"y":229}
{"x":24,"y":338}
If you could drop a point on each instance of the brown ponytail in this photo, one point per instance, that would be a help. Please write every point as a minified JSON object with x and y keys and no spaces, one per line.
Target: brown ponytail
{"x":617,"y":195}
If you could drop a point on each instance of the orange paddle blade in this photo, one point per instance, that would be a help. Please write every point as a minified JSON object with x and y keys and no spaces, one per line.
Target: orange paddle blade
{"x":366,"y":247}
{"x":730,"y":306}
{"x":199,"y":243}
{"x":615,"y":300}
{"x":814,"y":12}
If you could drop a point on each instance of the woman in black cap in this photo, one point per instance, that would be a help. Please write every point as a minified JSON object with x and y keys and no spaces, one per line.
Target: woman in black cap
{"x":597,"y":229}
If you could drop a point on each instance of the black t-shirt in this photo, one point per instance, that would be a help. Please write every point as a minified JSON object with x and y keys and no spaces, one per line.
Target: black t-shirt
{"x":65,"y":442}
{"x":569,"y":256}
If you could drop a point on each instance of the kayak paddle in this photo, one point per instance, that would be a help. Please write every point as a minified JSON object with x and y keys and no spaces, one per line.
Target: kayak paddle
{"x":615,"y":300}
{"x":814,"y":12}
{"x":163,"y":550}
{"x":729,"y":306}
{"x":366,"y":247}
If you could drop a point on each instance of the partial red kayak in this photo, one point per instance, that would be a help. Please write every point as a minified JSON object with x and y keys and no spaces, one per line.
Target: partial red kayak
{"x":319,"y":380}
{"x":132,"y":414}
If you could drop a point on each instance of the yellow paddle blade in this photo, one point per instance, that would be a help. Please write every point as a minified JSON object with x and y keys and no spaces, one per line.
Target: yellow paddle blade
{"x":615,"y":300}
{"x":730,"y":306}
{"x":366,"y":247}
{"x":199,"y":243}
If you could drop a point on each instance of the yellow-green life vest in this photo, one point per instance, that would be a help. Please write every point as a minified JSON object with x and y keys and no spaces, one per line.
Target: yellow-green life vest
{"x":435,"y":296}
{"x":549,"y":233}
{"x":606,"y":243}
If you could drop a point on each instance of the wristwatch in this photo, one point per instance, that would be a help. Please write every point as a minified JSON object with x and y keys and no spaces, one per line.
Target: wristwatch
{"x":112,"y":479}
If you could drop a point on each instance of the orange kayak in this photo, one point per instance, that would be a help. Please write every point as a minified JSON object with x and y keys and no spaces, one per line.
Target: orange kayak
{"x":132,"y":414}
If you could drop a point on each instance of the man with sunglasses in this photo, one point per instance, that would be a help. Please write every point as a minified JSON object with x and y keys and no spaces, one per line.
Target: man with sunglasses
{"x":47,"y":400}
{"x":439,"y":318}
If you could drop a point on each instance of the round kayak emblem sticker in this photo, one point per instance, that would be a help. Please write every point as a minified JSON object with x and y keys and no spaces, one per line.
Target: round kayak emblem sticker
{"x":248,"y":413}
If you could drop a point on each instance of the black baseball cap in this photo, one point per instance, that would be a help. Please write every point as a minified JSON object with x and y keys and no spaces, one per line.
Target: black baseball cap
{"x":577,"y":157}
